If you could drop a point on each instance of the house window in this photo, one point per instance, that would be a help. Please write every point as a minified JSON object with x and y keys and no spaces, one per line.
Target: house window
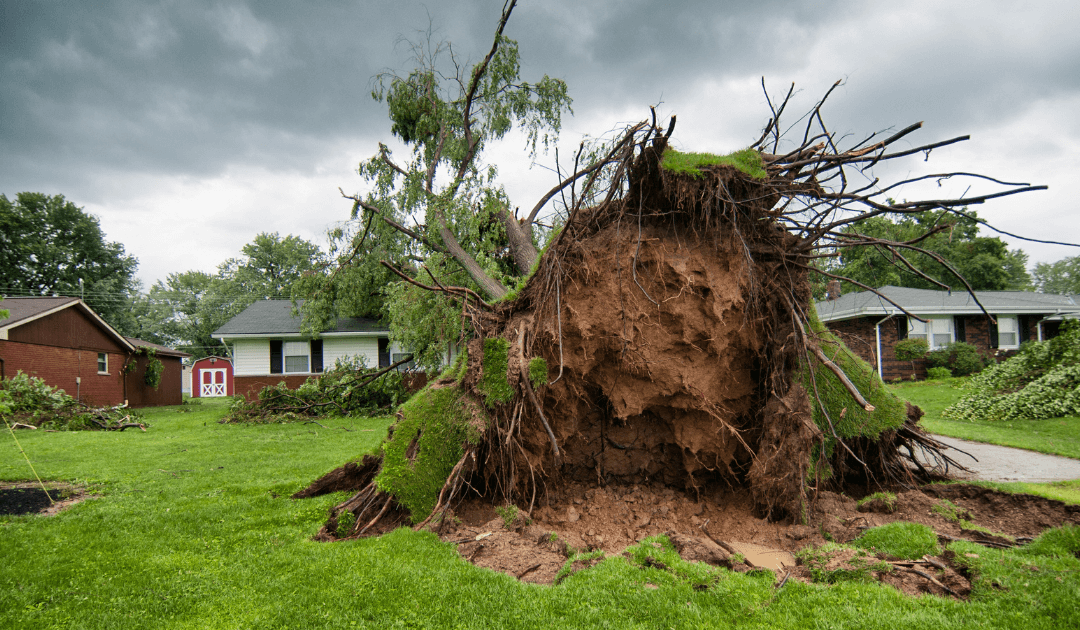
{"x":917,"y":329}
{"x":942,"y":330}
{"x":937,"y":331}
{"x":1008,"y":332}
{"x":102,"y":363}
{"x":296,"y":356}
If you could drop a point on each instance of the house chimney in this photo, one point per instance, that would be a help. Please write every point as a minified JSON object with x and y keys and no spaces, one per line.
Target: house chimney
{"x":832,"y":292}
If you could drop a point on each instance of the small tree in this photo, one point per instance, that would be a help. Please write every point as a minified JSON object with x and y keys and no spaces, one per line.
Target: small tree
{"x":911,"y":349}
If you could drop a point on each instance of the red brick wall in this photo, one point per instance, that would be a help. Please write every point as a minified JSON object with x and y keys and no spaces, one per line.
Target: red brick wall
{"x":250,"y":386}
{"x":169,"y":390}
{"x":60,"y":367}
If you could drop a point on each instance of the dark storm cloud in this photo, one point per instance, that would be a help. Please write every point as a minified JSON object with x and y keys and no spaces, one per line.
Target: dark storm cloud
{"x":104,"y":100}
{"x":190,"y":86}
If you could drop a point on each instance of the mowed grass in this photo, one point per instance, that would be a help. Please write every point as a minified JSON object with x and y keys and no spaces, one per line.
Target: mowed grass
{"x":193,"y":528}
{"x":1056,"y":436}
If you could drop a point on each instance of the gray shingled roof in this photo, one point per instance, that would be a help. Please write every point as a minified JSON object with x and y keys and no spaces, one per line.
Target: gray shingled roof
{"x":274,"y":317}
{"x":929,"y":302}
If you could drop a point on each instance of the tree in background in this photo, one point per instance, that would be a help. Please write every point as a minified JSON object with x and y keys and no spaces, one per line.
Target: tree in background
{"x":1061,"y":277}
{"x":952,"y":240}
{"x":49,"y":245}
{"x":193,"y":304}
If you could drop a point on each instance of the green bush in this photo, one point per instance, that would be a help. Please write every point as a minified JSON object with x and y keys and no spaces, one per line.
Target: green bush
{"x":342,"y":390}
{"x":910,"y":349}
{"x":962,"y":359}
{"x":1041,"y":381}
{"x":935,"y":373}
{"x":29,"y":400}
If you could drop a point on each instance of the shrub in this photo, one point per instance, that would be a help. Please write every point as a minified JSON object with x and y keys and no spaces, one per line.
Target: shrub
{"x":1041,"y":381}
{"x":910,"y":349}
{"x":960,"y":358}
{"x":29,"y":400}
{"x":938,"y":372}
{"x":346,"y":389}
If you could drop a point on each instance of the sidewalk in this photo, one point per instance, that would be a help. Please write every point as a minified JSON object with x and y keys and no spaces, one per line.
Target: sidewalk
{"x":1002,"y":463}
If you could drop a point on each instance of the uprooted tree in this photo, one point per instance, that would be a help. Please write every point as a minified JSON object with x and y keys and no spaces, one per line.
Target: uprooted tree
{"x":665,"y":332}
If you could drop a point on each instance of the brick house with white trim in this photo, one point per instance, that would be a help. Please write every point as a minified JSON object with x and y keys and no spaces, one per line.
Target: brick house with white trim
{"x":870,"y":325}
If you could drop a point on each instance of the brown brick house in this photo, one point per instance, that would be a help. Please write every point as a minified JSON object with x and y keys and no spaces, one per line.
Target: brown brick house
{"x":871,"y":325}
{"x":63,"y":342}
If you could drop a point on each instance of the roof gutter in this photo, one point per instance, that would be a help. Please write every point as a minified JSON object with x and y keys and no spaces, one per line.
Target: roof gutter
{"x":877,"y":334}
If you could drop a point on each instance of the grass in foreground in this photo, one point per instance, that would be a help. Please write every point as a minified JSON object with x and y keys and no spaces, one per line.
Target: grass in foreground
{"x":1056,"y":436}
{"x":193,"y":529}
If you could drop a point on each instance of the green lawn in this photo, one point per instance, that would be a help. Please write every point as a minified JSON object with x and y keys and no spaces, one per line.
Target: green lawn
{"x":193,"y":528}
{"x":1057,"y":436}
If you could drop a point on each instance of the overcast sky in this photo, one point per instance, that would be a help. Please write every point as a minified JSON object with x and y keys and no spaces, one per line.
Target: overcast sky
{"x":189,"y":126}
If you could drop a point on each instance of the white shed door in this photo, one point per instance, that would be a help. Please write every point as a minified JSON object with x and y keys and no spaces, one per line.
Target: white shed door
{"x":213,"y":383}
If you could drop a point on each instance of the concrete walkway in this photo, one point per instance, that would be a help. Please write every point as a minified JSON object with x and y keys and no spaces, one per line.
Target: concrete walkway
{"x":1002,"y":463}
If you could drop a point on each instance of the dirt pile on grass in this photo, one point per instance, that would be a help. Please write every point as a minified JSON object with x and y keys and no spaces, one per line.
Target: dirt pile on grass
{"x":718,"y":525}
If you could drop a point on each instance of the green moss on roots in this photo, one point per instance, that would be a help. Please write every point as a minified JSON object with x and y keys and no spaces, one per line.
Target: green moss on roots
{"x":493,"y":383}
{"x":848,"y":418}
{"x":425,"y":445}
{"x":538,"y":372}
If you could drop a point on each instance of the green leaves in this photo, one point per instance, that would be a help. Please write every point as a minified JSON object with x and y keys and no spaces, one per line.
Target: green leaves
{"x":985,"y":262}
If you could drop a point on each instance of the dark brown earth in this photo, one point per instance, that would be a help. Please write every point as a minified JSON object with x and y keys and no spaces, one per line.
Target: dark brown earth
{"x":710,"y":527}
{"x":29,"y":498}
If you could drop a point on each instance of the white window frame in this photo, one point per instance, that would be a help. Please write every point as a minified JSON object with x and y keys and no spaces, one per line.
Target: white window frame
{"x":1014,"y":324}
{"x":293,"y":350}
{"x":941,"y":327}
{"x":103,"y":357}
{"x":918,"y":330}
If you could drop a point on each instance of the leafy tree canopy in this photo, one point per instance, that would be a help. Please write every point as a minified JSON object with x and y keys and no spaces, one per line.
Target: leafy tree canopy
{"x":49,"y":244}
{"x":439,"y":215}
{"x":187,"y":307}
{"x":1061,"y":277}
{"x":985,"y":262}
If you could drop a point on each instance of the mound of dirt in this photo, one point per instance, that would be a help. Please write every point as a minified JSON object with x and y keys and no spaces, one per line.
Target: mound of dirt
{"x":712,"y":528}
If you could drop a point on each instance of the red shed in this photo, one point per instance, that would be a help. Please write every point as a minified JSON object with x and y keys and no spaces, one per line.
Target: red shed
{"x":211,"y":377}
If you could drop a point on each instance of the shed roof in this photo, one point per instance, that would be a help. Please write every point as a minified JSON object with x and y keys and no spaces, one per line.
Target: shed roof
{"x":275,"y":317}
{"x":930,"y":302}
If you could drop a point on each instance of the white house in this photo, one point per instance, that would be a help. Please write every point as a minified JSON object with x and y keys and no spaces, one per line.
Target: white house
{"x":267,"y":346}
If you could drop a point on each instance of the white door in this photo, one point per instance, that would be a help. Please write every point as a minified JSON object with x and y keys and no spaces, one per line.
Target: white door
{"x":213,"y":383}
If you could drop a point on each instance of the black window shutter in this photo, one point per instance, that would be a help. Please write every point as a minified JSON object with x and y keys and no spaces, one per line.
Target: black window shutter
{"x":901,"y":328}
{"x":316,"y":355}
{"x":961,"y":331}
{"x":275,"y":356}
{"x":1020,"y":322}
{"x":993,"y":334}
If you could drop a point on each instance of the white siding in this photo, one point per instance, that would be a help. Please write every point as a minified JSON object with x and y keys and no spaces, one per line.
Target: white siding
{"x":335,"y":348}
{"x":251,"y":357}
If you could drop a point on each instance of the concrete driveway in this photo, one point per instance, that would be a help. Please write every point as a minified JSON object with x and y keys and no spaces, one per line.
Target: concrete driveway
{"x":1002,"y":463}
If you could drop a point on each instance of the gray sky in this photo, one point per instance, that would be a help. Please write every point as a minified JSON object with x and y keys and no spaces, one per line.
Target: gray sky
{"x":189,"y":126}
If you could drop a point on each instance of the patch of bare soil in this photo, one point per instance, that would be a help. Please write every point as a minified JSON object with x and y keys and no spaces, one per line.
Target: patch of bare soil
{"x":713,"y":527}
{"x":20,"y":498}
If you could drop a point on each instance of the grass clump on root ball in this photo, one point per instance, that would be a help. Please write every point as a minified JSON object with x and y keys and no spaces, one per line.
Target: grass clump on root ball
{"x":907,"y":541}
{"x":747,"y":160}
{"x":426,"y":444}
